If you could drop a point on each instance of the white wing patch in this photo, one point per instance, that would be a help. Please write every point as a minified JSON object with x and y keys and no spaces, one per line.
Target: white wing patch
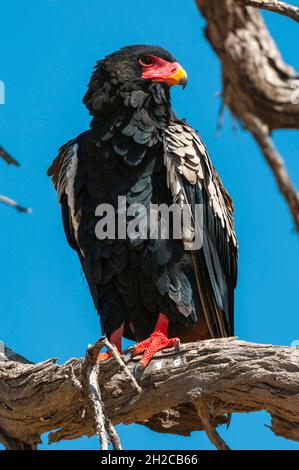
{"x":186,"y":158}
{"x":63,"y":172}
{"x":70,"y":175}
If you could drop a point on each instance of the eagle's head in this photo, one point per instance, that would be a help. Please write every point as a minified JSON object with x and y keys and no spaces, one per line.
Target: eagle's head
{"x":131,"y":68}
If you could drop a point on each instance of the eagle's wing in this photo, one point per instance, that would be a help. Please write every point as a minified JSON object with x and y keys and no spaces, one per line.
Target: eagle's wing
{"x":63,"y":173}
{"x":193,"y":180}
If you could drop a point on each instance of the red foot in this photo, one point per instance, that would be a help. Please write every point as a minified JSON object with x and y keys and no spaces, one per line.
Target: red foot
{"x":103,"y":357}
{"x":149,"y":347}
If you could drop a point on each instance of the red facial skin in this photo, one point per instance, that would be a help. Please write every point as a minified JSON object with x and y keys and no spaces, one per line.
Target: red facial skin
{"x":160,"y":70}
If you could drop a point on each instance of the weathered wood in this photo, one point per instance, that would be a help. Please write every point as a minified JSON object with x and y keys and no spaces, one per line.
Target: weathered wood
{"x":261,"y":91}
{"x":275,"y":6}
{"x":230,"y":375}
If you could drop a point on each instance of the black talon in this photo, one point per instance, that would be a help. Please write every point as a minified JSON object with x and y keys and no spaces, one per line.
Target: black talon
{"x":128,"y":352}
{"x":138,"y":370}
{"x":177,"y":346}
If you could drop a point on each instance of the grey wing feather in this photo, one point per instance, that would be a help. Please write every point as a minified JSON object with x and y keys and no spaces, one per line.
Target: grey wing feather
{"x":63,"y":172}
{"x":193,"y":180}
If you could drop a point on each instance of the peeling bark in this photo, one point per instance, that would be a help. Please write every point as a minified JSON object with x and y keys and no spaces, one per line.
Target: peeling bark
{"x":228,"y":374}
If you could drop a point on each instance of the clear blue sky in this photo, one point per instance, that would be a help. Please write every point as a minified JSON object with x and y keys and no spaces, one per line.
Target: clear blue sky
{"x":48,"y":49}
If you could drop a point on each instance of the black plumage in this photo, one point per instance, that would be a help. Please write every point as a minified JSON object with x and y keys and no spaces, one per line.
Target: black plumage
{"x":137,"y":148}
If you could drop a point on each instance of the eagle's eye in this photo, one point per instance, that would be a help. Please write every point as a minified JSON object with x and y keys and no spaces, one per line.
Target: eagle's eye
{"x":146,"y":61}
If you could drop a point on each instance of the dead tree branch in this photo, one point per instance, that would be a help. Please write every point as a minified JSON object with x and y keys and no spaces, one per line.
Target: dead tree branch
{"x":8,"y":158}
{"x":261,"y":91}
{"x":181,"y":392}
{"x":282,"y":8}
{"x":103,"y":425}
{"x":11,"y":203}
{"x":203,"y":407}
{"x":6,"y":200}
{"x":277,"y":165}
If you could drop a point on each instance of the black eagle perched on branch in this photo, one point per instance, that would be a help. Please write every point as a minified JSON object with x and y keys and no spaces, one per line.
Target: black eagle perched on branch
{"x":153,"y":290}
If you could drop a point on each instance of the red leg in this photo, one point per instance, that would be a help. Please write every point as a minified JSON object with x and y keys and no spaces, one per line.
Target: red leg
{"x":115,"y":339}
{"x":158,"y":340}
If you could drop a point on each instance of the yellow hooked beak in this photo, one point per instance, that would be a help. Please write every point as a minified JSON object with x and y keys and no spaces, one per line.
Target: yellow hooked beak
{"x":179,"y":77}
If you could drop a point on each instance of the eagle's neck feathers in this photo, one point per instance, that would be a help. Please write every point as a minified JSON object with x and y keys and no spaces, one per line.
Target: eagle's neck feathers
{"x":105,"y":97}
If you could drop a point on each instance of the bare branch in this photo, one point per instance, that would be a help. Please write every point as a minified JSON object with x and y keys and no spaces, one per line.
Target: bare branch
{"x":202,"y":408}
{"x":259,"y":88}
{"x":5,"y":200}
{"x":276,"y":164}
{"x":96,"y":400}
{"x":10,"y":202}
{"x":227,"y":374}
{"x":8,"y":158}
{"x":103,"y":425}
{"x":114,"y":352}
{"x":282,"y":8}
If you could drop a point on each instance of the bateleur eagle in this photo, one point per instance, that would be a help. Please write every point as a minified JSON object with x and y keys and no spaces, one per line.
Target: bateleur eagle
{"x":153,"y":290}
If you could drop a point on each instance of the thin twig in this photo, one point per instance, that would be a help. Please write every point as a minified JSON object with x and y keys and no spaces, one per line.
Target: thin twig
{"x":7,"y":157}
{"x":282,"y":8}
{"x":202,"y":409}
{"x":220,"y":115}
{"x":261,"y":134}
{"x":104,"y":427}
{"x":113,"y":435}
{"x":103,"y":424}
{"x":15,"y":205}
{"x":5,"y":200}
{"x":122,"y":365}
{"x":98,"y":407}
